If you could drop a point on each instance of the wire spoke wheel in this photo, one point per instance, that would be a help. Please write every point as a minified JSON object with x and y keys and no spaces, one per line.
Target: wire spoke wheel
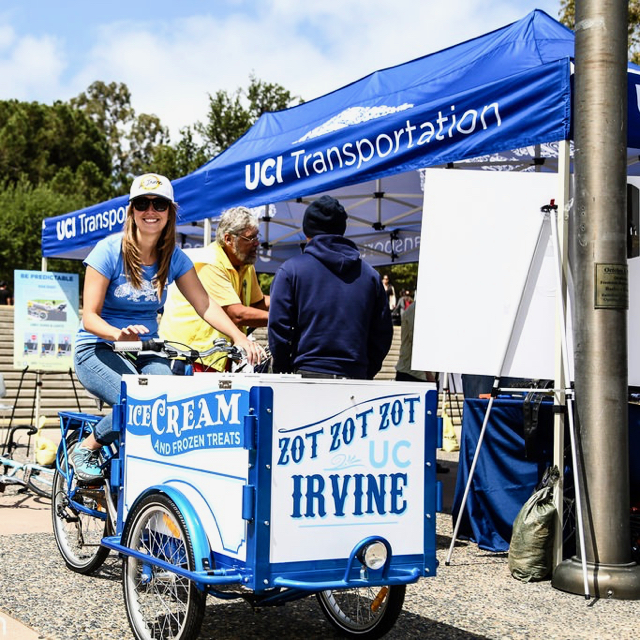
{"x":367,"y":612}
{"x":78,"y":534}
{"x":160,"y":604}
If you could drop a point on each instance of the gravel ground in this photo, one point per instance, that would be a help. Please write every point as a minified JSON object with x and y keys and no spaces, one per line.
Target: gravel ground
{"x":473,"y":598}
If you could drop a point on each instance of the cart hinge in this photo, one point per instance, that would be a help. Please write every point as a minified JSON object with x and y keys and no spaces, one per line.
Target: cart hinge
{"x":248,"y":502}
{"x":115,"y":471}
{"x":440,"y":433}
{"x":250,"y":431}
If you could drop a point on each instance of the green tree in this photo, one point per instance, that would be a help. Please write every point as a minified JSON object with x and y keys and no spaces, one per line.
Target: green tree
{"x":23,"y":207}
{"x":38,"y":142}
{"x":265,"y":280}
{"x":231,"y":115}
{"x":131,"y":139}
{"x":109,"y":107}
{"x":568,"y":18}
{"x":144,"y":137}
{"x":182,"y":158}
{"x":53,"y":159}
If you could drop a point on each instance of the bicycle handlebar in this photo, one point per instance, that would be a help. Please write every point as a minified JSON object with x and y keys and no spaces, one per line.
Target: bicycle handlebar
{"x":173,"y":350}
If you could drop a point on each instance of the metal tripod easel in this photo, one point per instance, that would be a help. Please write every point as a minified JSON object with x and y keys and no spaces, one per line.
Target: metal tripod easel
{"x":550,"y":211}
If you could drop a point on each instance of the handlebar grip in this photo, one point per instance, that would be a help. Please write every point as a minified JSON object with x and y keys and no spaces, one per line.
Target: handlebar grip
{"x":129,"y":346}
{"x":136,"y":346}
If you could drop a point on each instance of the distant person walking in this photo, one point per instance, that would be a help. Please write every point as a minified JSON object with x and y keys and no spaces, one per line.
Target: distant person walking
{"x":404,"y":370}
{"x":389,"y":291}
{"x":5,"y":293}
{"x":404,"y":302}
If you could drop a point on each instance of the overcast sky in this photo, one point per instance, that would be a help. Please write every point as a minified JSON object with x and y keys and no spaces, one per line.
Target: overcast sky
{"x":173,"y":53}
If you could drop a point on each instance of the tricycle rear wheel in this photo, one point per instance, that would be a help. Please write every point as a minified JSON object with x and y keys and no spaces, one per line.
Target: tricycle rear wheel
{"x":160,"y":604}
{"x":366,"y":613}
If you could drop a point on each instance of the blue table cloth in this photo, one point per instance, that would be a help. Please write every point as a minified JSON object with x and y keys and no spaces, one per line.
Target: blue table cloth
{"x":504,"y":477}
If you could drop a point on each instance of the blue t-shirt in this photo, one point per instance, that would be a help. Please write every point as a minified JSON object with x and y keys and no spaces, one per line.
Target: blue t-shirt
{"x":124,"y":305}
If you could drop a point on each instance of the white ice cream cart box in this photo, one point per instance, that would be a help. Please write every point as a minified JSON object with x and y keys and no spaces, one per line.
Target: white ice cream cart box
{"x":285,"y":476}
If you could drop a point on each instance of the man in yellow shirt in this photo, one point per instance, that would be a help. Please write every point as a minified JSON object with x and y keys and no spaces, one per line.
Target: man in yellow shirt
{"x":226,"y":269}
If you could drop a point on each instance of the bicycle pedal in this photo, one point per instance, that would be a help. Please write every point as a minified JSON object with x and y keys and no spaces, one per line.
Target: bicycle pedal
{"x":96,"y":483}
{"x":93,"y":491}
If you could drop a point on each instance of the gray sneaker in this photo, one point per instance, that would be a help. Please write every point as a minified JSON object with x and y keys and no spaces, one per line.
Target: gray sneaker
{"x":86,"y":465}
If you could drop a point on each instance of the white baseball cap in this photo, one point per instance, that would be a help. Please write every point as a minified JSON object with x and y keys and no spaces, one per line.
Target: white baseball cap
{"x":151,"y":184}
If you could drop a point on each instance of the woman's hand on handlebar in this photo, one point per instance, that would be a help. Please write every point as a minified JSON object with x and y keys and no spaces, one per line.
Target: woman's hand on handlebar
{"x":132,"y":332}
{"x":255,"y":352}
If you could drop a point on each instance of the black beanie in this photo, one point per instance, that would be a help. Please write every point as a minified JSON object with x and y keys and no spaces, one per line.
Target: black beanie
{"x":324,"y":215}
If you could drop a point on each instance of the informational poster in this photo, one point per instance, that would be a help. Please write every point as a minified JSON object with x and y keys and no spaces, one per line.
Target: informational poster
{"x":45,"y":320}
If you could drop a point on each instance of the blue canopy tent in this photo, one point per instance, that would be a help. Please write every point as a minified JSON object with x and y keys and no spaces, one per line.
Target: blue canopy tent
{"x":367,"y":142}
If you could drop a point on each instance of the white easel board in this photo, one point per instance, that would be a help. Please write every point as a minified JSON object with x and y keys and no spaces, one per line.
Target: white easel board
{"x":486,"y":290}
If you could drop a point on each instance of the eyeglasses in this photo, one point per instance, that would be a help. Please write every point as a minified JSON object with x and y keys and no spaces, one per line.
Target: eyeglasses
{"x":252,"y":239}
{"x":143,"y":203}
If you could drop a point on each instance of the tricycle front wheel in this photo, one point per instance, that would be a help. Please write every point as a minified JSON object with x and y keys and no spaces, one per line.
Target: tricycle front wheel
{"x":365,"y":613}
{"x":78,"y":533}
{"x":160,"y":604}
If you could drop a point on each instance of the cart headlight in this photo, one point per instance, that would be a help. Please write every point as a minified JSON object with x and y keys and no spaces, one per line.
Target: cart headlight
{"x":374,"y":555}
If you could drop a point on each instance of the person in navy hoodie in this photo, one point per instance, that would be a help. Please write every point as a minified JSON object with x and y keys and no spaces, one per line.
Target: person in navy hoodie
{"x":329,"y":315}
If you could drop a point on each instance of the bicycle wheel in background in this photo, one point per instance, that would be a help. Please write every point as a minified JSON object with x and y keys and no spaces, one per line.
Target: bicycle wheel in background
{"x":40,"y":480}
{"x":160,"y":604}
{"x":78,"y":534}
{"x":366,"y":612}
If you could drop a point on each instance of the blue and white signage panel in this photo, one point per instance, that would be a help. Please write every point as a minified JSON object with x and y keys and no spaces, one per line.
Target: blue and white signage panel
{"x":348,"y":460}
{"x":187,"y":433}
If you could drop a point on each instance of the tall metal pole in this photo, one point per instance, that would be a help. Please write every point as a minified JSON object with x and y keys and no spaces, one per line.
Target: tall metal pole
{"x":601,"y":302}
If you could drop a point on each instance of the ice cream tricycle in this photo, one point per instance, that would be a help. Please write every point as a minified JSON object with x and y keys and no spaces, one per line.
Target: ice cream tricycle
{"x":264,"y":487}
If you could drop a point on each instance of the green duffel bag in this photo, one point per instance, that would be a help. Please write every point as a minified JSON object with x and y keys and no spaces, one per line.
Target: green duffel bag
{"x":531,"y":547}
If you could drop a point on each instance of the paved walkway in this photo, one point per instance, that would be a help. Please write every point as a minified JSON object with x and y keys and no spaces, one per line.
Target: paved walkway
{"x":21,"y":513}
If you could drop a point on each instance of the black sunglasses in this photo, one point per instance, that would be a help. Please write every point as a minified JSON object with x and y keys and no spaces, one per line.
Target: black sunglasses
{"x":143,"y":203}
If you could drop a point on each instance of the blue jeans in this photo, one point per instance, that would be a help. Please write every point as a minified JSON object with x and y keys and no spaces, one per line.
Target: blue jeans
{"x":100,"y":369}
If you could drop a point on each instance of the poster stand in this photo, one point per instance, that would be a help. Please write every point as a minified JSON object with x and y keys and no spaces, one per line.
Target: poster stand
{"x":551,"y":212}
{"x":37,"y":396}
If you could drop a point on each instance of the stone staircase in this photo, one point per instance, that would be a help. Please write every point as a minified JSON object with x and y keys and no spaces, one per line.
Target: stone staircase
{"x":63,"y":392}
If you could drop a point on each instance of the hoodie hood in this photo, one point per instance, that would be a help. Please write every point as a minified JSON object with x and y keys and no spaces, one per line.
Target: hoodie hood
{"x":337,"y":253}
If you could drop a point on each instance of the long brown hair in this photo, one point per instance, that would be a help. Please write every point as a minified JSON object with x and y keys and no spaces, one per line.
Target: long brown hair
{"x":164,"y":250}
